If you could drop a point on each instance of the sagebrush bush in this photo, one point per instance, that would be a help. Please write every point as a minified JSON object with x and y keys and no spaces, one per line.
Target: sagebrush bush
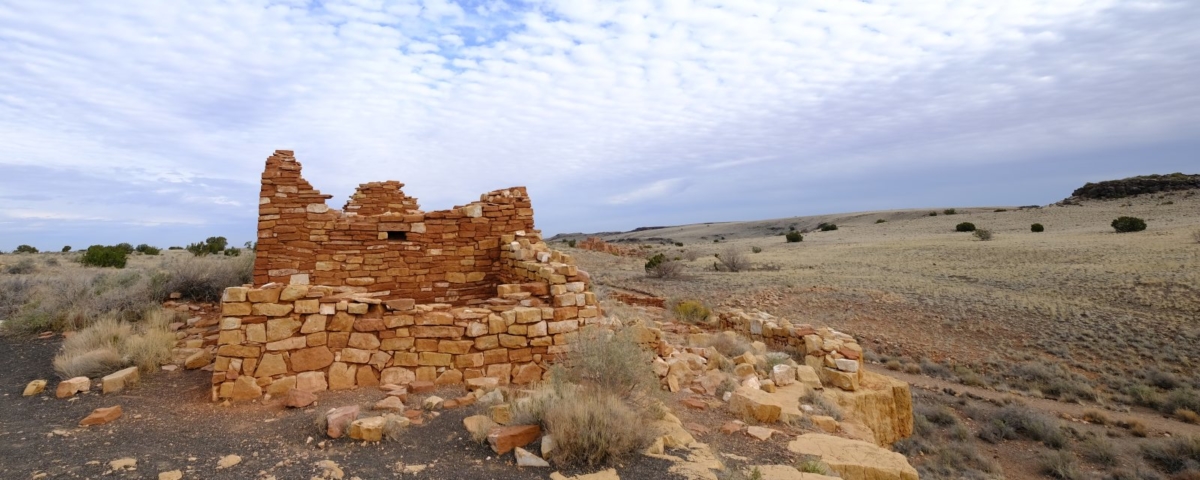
{"x":794,"y":237}
{"x":827,"y":227}
{"x":659,"y":266}
{"x":104,"y":256}
{"x":690,"y":311}
{"x":1128,"y":224}
{"x":109,"y":344}
{"x":22,"y":267}
{"x":1014,"y":422}
{"x":611,"y":361}
{"x":595,"y":426}
{"x":1059,"y":464}
{"x":1174,"y":455}
{"x":949,"y":211}
{"x":571,"y":243}
{"x":66,"y":248}
{"x":983,"y":234}
{"x":1099,"y":451}
{"x":145,"y":249}
{"x":822,"y":405}
{"x":880,"y":221}
{"x":729,"y":344}
{"x":1037,"y":228}
{"x":204,"y":279}
{"x":965,"y":227}
{"x":756,"y":249}
{"x":733,"y":260}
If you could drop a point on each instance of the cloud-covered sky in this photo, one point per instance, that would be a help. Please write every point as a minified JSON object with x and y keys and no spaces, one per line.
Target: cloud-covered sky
{"x":150,"y":120}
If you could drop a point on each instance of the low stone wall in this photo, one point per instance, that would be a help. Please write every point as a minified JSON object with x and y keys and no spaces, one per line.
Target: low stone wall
{"x":314,"y":338}
{"x":836,"y":356}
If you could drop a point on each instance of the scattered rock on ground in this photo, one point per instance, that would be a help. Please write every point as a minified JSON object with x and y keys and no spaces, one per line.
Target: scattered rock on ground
{"x":228,"y":461}
{"x":337,"y":420}
{"x":368,"y":429}
{"x":854,"y":459}
{"x":70,"y":387}
{"x":504,"y":439}
{"x":35,"y":387}
{"x":296,"y":398}
{"x":761,"y":433}
{"x":330,"y":470}
{"x":119,"y":380}
{"x":391,"y":404}
{"x":527,"y":459}
{"x":101,"y":416}
{"x":171,"y":475}
{"x":126,"y":463}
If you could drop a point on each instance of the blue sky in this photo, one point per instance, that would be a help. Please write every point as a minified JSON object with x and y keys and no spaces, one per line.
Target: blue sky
{"x":149,"y":120}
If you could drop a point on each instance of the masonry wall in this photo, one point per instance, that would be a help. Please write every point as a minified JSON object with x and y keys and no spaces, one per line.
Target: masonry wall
{"x":836,"y":356}
{"x":314,"y":338}
{"x":381,"y":242}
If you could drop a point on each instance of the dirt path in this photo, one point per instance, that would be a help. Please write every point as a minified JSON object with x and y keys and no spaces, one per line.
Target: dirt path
{"x":1155,"y":422}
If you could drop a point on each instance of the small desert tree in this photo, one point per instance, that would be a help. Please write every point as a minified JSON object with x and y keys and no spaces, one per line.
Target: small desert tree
{"x":659,"y":266}
{"x":1037,"y":228}
{"x":794,"y":237}
{"x":26,"y":249}
{"x":102,"y":256}
{"x":210,"y":246}
{"x":1128,"y":224}
{"x":66,"y":248}
{"x":965,"y":227}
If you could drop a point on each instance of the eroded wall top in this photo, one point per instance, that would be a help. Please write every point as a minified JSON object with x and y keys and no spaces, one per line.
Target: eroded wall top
{"x":381,"y":242}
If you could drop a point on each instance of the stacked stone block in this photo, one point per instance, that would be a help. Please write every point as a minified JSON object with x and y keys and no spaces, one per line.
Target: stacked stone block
{"x":836,"y":356}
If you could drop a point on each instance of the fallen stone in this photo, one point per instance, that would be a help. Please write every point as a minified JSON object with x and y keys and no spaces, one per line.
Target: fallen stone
{"x":337,"y":420}
{"x":694,"y":403}
{"x":421,"y":386}
{"x":761,"y":433}
{"x":119,"y":380}
{"x":525,"y":458}
{"x":228,"y":461}
{"x":199,"y":359}
{"x":826,"y":423}
{"x":123,"y":464}
{"x":479,"y":426}
{"x":101,"y":416}
{"x":808,"y":376}
{"x":368,"y":429}
{"x":755,"y":404}
{"x":491,"y":398}
{"x":854,"y":459}
{"x":33,"y":388}
{"x":744,"y":370}
{"x":171,"y":475}
{"x":330,"y":470}
{"x":296,"y":398}
{"x":501,"y":413}
{"x":487,"y":384}
{"x":70,"y":387}
{"x":733,"y":427}
{"x":505,"y":439}
{"x":433,"y":403}
{"x":390,"y":404}
{"x":548,"y":445}
{"x":245,"y":388}
{"x":783,"y":375}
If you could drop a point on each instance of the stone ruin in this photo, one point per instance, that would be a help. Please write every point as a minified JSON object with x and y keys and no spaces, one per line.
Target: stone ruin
{"x":382,"y":292}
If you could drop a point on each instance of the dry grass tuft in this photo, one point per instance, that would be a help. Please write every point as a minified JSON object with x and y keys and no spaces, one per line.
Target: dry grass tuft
{"x":1060,"y":464}
{"x":733,"y":260}
{"x":110,"y":344}
{"x":690,"y":311}
{"x":593,"y":426}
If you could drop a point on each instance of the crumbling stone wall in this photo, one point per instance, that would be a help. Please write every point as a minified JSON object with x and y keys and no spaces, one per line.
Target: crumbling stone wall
{"x":339,"y":301}
{"x":381,"y":242}
{"x":836,"y":356}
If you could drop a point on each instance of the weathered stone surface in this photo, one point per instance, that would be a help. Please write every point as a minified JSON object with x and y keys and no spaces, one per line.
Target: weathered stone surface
{"x":783,"y":375}
{"x":854,"y":459}
{"x":368,"y":429}
{"x":228,"y":461}
{"x":312,"y":382}
{"x":245,"y":388}
{"x":433,"y":402}
{"x":882,"y":403}
{"x":526,"y":374}
{"x":808,"y":376}
{"x":297,"y":398}
{"x":755,"y":404}
{"x":839,"y":379}
{"x":281,"y":328}
{"x":846,"y":365}
{"x":200,"y":359}
{"x":271,"y":364}
{"x":101,"y":416}
{"x":486,"y":384}
{"x":33,"y":388}
{"x":337,"y":420}
{"x":610,"y":474}
{"x":398,"y":376}
{"x":390,"y":404}
{"x":120,"y":380}
{"x":826,"y":423}
{"x":341,"y":376}
{"x":782,"y":472}
{"x":761,"y":433}
{"x":505,"y":439}
{"x":525,"y":458}
{"x":309,"y":359}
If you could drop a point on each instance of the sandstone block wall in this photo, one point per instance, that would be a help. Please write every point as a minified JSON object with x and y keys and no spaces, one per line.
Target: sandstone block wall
{"x":381,"y":242}
{"x":836,"y":356}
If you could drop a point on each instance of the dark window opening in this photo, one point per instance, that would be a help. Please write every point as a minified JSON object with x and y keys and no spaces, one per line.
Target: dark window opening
{"x":400,"y":236}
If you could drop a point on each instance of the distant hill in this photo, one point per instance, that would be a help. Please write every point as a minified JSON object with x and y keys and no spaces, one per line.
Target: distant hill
{"x":1133,"y":186}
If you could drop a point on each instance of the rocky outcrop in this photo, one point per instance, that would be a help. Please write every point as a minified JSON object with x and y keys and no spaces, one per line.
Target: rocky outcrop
{"x":1132,"y":186}
{"x":854,"y":459}
{"x":883,"y":404}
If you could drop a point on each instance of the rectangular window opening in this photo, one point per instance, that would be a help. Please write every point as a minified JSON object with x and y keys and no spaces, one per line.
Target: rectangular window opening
{"x":398,"y":236}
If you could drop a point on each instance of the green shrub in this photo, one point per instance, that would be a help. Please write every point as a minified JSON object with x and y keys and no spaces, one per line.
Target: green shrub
{"x":571,"y":243}
{"x":756,"y":249}
{"x":147,"y":250}
{"x":999,"y":210}
{"x":26,"y":249}
{"x":654,"y":261}
{"x":210,"y":246}
{"x":949,"y":211}
{"x":1037,"y":228}
{"x":102,"y":256}
{"x":933,"y":214}
{"x":880,"y":221}
{"x":678,"y":244}
{"x":125,"y":247}
{"x":965,"y":227}
{"x":794,"y":237}
{"x":66,"y":249}
{"x":1128,"y":224}
{"x":827,"y":227}
{"x":233,"y":252}
{"x":690,"y":311}
{"x":174,"y":247}
{"x":983,"y":234}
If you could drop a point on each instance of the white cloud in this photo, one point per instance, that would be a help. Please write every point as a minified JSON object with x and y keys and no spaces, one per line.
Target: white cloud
{"x":571,"y":96}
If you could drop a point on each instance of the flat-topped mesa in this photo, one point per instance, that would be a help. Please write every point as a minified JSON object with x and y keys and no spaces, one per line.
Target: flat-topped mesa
{"x":383,"y":244}
{"x":381,"y":292}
